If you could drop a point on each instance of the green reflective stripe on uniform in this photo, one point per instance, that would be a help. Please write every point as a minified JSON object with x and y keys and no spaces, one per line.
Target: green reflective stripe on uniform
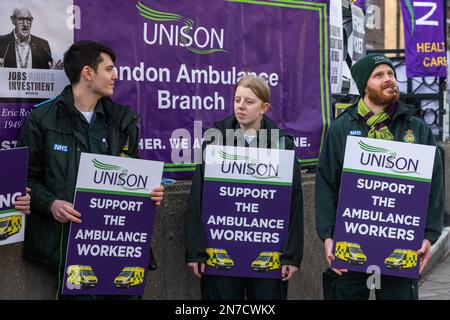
{"x":314,"y":160}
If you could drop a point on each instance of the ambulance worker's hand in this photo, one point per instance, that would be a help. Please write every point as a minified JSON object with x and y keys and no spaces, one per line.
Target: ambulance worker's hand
{"x":330,"y":257}
{"x":22,"y":203}
{"x":195,"y":268}
{"x":287,"y":271}
{"x":329,"y":250}
{"x":63,"y":212}
{"x":157,"y":195}
{"x":424,"y":254}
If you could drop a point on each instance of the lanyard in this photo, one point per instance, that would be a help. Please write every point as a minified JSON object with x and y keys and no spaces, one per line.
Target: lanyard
{"x":27,"y":57}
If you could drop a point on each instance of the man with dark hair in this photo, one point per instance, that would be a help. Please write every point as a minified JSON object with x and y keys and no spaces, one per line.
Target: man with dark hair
{"x":20,"y":49}
{"x":81,"y":119}
{"x":84,"y":53}
{"x":378,"y":114}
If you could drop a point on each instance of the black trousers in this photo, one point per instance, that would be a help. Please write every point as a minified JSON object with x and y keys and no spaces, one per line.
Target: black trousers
{"x":353,"y":286}
{"x":235,"y":288}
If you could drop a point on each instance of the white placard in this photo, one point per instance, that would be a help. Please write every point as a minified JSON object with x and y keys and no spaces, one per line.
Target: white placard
{"x":120,"y":174}
{"x":400,"y":159}
{"x":249,"y":164}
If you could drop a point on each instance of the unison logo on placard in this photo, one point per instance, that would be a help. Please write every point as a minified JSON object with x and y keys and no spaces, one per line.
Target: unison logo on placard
{"x":384,"y":158}
{"x":108,"y":174}
{"x":235,"y":164}
{"x":196,"y":39}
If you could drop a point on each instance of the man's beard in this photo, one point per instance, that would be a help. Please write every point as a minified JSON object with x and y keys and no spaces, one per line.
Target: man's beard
{"x":379,"y":98}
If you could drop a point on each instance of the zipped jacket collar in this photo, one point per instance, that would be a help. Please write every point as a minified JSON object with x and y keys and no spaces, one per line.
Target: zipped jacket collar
{"x":115,"y":117}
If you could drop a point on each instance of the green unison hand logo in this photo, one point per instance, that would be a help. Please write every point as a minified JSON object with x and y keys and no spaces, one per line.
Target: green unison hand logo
{"x":387,"y":159}
{"x":226,"y":156}
{"x":116,"y":175}
{"x":159,"y":16}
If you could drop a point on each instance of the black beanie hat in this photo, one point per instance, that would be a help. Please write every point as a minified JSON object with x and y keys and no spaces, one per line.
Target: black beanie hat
{"x":363,"y":68}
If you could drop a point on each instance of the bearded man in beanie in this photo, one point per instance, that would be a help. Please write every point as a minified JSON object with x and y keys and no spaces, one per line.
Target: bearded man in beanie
{"x":377,"y":114}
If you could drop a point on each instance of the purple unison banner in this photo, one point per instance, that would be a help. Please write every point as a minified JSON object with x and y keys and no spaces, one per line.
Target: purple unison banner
{"x":424,"y":27}
{"x":108,"y":251}
{"x":178,"y":62}
{"x":245,"y":210}
{"x":13,"y":177}
{"x":382,"y":207}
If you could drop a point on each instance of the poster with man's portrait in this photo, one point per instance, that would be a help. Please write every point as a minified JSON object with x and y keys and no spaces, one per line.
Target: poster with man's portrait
{"x":33,"y":38}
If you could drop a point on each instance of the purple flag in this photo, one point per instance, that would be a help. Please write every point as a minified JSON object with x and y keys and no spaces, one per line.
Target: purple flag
{"x":424,"y":38}
{"x":178,"y":62}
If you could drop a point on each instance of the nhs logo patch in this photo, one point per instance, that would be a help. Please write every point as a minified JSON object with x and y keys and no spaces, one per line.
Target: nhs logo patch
{"x":60,"y":147}
{"x":355,"y":133}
